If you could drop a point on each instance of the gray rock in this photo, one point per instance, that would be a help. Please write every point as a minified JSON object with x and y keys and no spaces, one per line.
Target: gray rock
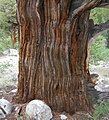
{"x":13,"y":91}
{"x":8,"y":70}
{"x":102,"y":85}
{"x":38,"y":110}
{"x":2,"y":115}
{"x":11,"y":52}
{"x":5,"y":107}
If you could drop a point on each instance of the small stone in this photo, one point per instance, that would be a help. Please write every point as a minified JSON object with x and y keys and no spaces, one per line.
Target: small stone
{"x":63,"y":117}
{"x":5,"y":107}
{"x":38,"y":110}
{"x":99,"y":89}
{"x":11,"y":52}
{"x":2,"y":115}
{"x":13,"y":91}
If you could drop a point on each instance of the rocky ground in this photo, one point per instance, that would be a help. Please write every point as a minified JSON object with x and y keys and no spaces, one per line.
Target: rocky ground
{"x":102,"y":69}
{"x":8,"y":84}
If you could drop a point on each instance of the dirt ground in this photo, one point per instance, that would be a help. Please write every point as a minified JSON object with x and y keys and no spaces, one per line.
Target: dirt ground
{"x":18,"y":114}
{"x":9,"y":66}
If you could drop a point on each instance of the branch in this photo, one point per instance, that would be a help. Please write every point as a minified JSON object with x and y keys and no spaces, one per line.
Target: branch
{"x":84,"y":5}
{"x":104,"y":3}
{"x":98,"y":29}
{"x":79,"y":6}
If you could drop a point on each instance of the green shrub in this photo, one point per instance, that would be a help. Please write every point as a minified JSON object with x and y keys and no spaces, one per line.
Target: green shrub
{"x":101,"y":111}
{"x":7,"y":20}
{"x":99,"y":51}
{"x":5,"y":42}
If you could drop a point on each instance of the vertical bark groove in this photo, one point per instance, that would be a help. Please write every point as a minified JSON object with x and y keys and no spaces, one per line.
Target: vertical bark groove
{"x":53,"y":52}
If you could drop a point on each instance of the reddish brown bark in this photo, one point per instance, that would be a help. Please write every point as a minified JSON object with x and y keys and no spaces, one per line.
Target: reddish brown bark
{"x":13,"y":38}
{"x":53,"y":53}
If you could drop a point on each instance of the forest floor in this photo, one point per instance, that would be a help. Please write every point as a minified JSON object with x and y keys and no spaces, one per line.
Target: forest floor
{"x":6,"y":92}
{"x":8,"y":72}
{"x":19,"y":114}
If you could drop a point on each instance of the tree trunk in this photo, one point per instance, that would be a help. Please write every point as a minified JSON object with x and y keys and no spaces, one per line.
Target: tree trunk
{"x":13,"y":38}
{"x":107,"y":44}
{"x":53,"y":54}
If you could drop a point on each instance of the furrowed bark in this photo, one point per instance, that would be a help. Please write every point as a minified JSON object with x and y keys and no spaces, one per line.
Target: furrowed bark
{"x":53,"y":53}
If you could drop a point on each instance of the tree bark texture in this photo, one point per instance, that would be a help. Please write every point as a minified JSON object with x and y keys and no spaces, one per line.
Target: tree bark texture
{"x":53,"y":44}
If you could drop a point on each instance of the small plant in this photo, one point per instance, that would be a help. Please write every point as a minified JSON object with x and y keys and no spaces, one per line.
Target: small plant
{"x":99,"y":51}
{"x":19,"y":117}
{"x":6,"y":42}
{"x":101,"y":110}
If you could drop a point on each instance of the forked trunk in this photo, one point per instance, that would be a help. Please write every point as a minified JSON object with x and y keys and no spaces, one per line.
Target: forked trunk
{"x":52,"y":55}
